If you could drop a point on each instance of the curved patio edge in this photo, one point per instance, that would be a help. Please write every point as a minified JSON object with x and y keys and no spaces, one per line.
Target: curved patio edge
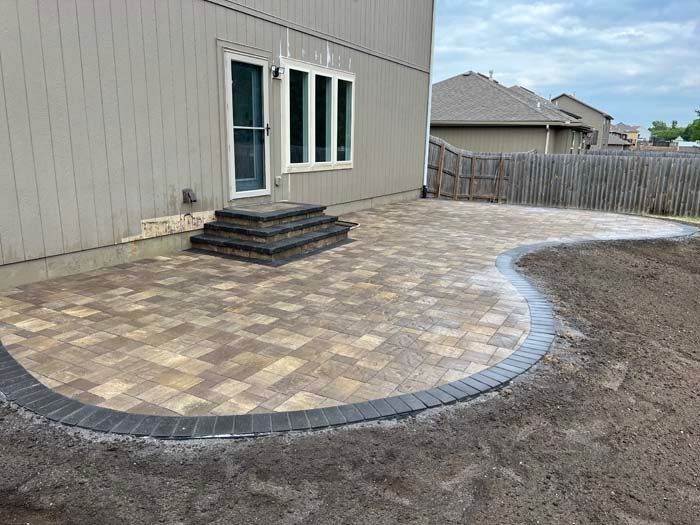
{"x":21,"y":388}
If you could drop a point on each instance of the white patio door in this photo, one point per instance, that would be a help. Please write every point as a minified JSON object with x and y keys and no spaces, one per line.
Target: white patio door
{"x":247,"y":123}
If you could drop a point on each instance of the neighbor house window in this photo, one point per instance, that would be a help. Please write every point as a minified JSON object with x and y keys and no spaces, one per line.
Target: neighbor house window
{"x":318,"y":111}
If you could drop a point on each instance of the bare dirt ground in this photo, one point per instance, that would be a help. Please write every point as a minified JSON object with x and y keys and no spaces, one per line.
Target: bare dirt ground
{"x":605,"y":430}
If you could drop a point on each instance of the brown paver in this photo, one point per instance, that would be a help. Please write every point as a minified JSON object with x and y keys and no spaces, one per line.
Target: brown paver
{"x":414,"y":302}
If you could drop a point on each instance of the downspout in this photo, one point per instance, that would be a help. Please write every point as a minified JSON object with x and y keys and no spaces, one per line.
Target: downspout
{"x":546,"y":142}
{"x":430,"y":101}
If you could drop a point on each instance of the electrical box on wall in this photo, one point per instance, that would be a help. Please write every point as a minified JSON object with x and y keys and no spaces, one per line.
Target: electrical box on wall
{"x":189,"y":196}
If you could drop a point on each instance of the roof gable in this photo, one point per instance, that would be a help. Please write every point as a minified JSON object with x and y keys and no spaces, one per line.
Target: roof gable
{"x":624,"y":128}
{"x":571,"y":97}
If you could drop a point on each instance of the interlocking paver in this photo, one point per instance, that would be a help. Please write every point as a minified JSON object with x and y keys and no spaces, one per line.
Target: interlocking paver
{"x":415,"y":302}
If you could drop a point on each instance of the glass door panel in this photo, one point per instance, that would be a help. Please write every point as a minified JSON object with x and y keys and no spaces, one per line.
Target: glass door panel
{"x":249,"y":127}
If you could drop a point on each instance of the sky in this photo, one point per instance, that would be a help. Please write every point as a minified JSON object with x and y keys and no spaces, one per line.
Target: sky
{"x":638,"y":60}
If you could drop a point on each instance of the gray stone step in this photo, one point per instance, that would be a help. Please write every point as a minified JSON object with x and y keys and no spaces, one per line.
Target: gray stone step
{"x":268,"y":234}
{"x":264,"y":215}
{"x":276,"y":251}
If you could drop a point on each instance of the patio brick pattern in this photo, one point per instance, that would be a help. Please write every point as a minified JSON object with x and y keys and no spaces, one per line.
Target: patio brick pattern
{"x":416,"y":301}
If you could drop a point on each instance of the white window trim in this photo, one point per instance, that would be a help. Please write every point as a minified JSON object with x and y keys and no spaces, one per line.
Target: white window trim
{"x":230,"y":56}
{"x":335,"y":75}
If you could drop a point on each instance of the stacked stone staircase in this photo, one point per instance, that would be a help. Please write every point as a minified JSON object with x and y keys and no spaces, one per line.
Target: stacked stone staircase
{"x":271,"y":232}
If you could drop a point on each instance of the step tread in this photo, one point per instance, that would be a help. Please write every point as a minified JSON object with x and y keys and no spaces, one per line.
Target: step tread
{"x":274,"y":247}
{"x":251,"y":214}
{"x":269,"y":231}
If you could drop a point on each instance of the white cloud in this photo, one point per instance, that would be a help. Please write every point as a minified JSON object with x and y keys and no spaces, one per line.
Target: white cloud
{"x":613,"y":53}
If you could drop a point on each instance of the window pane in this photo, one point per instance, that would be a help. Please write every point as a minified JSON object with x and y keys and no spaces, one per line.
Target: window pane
{"x":247,"y":95}
{"x":298,"y":116}
{"x":323,"y":118}
{"x":344,"y":119}
{"x":249,"y":158}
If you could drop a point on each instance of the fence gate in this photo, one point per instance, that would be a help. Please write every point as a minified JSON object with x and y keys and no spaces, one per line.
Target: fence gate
{"x":463,"y":175}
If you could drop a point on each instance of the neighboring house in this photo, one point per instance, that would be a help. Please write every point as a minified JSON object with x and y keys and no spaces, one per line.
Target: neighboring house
{"x":617,"y":142}
{"x":598,"y":120}
{"x":629,"y":133}
{"x":473,"y":112}
{"x":687,"y":145}
{"x":110,"y":109}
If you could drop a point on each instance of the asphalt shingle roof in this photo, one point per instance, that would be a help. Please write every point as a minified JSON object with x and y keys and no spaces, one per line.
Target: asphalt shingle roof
{"x":623,"y":128}
{"x":616,"y":140}
{"x":472,"y":97}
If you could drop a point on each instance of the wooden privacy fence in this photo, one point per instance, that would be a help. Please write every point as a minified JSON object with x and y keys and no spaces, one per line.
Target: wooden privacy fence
{"x":619,"y":183}
{"x":645,"y":153}
{"x":459,"y":174}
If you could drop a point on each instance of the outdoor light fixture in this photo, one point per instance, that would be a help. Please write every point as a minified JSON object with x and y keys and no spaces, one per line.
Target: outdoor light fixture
{"x":277,"y":71}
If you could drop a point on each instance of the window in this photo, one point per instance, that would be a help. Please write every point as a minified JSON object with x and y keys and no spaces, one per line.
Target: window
{"x":298,"y":116}
{"x":344,"y":127}
{"x":318,"y":112}
{"x":323,"y":100}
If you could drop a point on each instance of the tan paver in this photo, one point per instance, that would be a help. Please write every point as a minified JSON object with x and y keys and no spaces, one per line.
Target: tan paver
{"x":415,"y":301}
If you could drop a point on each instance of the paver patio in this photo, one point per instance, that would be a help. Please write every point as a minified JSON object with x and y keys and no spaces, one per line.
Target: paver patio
{"x":414,"y":302}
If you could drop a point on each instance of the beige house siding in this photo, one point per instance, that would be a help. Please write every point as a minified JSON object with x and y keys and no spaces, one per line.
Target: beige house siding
{"x":589,"y":116}
{"x":498,"y":139}
{"x":109,"y":108}
{"x":567,"y":141}
{"x":485,"y":139}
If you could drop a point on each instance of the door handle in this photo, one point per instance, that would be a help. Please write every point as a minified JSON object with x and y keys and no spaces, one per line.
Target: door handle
{"x":267,"y":129}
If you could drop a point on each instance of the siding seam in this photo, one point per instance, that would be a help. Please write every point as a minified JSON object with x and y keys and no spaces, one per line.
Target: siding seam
{"x":31,"y":135}
{"x":68,"y":115}
{"x":133,"y":112}
{"x":51,"y":131}
{"x":104,"y":121}
{"x":12,"y":161}
{"x":87,"y":123}
{"x":118,"y":236}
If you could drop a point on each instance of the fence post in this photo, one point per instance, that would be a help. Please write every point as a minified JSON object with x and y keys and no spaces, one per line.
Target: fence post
{"x":457,"y":175}
{"x":440,"y":168}
{"x":471,"y":177}
{"x":499,"y":174}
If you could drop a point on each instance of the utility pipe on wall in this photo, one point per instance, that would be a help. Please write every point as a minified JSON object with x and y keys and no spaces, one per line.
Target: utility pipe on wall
{"x":546,"y":142}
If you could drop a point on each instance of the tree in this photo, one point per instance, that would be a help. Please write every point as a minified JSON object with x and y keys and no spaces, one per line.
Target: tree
{"x":658,"y":125}
{"x":660,"y":130}
{"x":692,"y":132}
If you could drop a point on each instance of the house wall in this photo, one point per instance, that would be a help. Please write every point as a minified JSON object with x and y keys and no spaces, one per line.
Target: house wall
{"x":484,"y":139}
{"x":109,"y":108}
{"x":593,"y":118}
{"x":565,"y":138}
{"x":496,"y":139}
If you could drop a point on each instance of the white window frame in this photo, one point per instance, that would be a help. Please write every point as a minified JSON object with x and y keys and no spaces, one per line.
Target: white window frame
{"x":230,"y":56}
{"x":312,"y":70}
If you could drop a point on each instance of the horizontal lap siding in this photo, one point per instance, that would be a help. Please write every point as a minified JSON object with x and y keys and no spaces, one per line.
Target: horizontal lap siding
{"x":109,"y":108}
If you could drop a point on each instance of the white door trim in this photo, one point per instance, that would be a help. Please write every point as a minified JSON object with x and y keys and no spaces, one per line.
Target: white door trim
{"x":240,"y":57}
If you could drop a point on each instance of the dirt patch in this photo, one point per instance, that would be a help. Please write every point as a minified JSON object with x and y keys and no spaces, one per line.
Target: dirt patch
{"x":605,"y":430}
